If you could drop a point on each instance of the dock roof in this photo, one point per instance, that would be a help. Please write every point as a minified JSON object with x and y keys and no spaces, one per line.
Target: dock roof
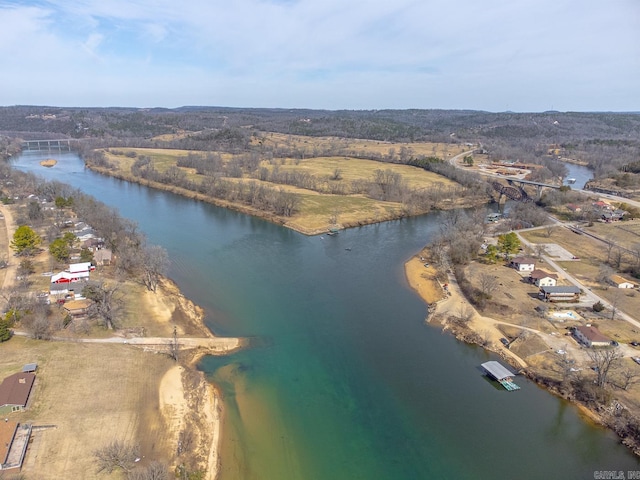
{"x":497,"y":370}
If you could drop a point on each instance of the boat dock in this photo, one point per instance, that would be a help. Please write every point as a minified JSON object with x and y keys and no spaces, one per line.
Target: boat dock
{"x":500,"y":374}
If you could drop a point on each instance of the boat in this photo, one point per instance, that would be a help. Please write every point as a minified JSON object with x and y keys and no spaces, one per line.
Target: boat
{"x":333,"y":231}
{"x":571,"y":181}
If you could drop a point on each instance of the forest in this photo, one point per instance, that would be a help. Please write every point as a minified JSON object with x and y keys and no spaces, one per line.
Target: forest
{"x":605,"y":141}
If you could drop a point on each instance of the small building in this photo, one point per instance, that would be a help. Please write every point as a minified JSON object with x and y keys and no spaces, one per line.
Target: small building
{"x":102,"y":256}
{"x":590,"y":336}
{"x":15,"y":391}
{"x":77,"y":308}
{"x":500,"y":373}
{"x":30,"y":368}
{"x":84,"y":267}
{"x":620,"y":282}
{"x":573,"y":207}
{"x":523,"y":264}
{"x":540,"y":278}
{"x":560,"y":294}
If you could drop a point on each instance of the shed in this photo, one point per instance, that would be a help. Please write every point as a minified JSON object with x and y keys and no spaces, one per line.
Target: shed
{"x":620,"y":282}
{"x":30,"y":368}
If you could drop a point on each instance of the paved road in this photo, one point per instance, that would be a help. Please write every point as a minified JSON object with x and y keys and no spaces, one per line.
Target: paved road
{"x":591,"y":297}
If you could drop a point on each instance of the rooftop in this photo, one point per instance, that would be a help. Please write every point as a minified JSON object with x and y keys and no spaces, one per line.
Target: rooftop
{"x":538,"y":274}
{"x":527,"y":260}
{"x":15,"y":389}
{"x":592,"y":333}
{"x":497,"y":370}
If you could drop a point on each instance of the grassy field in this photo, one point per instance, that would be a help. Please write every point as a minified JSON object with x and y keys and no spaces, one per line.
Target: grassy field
{"x":352,"y":147}
{"x":90,"y":395}
{"x":593,"y":254}
{"x":321,"y":207}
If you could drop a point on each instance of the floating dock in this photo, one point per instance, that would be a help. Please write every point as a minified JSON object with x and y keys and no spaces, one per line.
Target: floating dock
{"x":500,"y":374}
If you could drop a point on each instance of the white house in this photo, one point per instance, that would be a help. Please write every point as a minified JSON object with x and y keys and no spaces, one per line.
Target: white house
{"x":523,"y":264}
{"x":543,"y":279}
{"x":620,"y":282}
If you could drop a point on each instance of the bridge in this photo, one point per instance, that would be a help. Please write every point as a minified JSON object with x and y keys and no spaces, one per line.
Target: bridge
{"x":61,"y":145}
{"x":515,"y":189}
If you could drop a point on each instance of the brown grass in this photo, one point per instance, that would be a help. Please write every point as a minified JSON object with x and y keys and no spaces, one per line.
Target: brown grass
{"x":91,"y":395}
{"x":316,"y":210}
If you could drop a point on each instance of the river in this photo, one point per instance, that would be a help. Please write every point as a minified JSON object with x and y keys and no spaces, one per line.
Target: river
{"x":343,"y":379}
{"x":580,"y":173}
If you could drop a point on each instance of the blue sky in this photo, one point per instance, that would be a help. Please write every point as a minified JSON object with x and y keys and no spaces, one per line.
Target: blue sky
{"x":495,"y":55}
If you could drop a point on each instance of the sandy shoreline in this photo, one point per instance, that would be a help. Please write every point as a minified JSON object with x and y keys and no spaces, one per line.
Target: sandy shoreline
{"x":485,"y":331}
{"x":186,"y":401}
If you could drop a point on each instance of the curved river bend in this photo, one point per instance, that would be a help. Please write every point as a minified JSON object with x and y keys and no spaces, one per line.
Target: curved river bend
{"x":344,"y":380}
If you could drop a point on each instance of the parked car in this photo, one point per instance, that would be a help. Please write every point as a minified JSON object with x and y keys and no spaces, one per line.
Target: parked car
{"x":634,"y":343}
{"x":636,"y":359}
{"x":505,"y":342}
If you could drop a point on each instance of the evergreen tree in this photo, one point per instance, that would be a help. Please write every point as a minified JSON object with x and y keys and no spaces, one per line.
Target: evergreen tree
{"x":25,"y":240}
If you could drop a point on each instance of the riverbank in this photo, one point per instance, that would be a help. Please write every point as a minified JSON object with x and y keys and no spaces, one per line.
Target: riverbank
{"x":452,"y":311}
{"x":127,"y":386}
{"x":376,"y":212}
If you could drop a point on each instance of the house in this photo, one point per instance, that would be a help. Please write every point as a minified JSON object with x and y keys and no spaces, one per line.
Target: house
{"x":84,"y":267}
{"x":613,"y":216}
{"x":620,"y":282}
{"x":77,"y":308}
{"x":102,"y":256}
{"x":574,"y":208}
{"x":523,"y":264}
{"x":560,"y":294}
{"x":75,"y":273}
{"x":14,"y":392}
{"x":14,"y":438}
{"x":67,"y":277}
{"x":540,"y":278}
{"x":590,"y":336}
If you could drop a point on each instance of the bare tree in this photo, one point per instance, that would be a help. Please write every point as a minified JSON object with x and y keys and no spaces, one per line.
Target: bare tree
{"x":155,"y":471}
{"x":154,"y":263}
{"x":629,"y":377}
{"x":116,"y":455}
{"x":549,"y":229}
{"x":107,"y":302}
{"x":488,"y":284}
{"x":615,"y":302}
{"x":603,"y":360}
{"x":541,"y":250}
{"x":567,"y":369}
{"x":604,"y":272}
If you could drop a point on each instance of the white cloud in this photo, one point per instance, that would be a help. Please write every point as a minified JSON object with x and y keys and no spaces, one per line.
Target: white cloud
{"x":330,"y":54}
